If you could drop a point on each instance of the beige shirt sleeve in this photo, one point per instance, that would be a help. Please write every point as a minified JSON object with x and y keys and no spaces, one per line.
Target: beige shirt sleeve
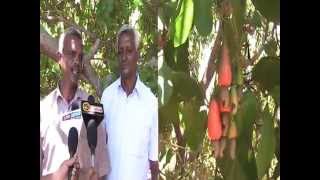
{"x":102,"y":161}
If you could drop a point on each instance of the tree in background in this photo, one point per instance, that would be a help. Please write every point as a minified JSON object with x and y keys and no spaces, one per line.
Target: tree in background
{"x":99,"y":22}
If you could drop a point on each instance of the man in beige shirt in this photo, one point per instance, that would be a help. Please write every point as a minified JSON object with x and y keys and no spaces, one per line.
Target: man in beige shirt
{"x":54,"y":152}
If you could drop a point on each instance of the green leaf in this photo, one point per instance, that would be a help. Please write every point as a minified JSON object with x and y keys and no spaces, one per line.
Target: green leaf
{"x":183,"y":22}
{"x":177,"y":58}
{"x":267,"y":73}
{"x":83,"y":3}
{"x":194,"y":123}
{"x":275,"y":93}
{"x":277,"y":151}
{"x":203,"y":18}
{"x":137,"y":3}
{"x":104,"y":9}
{"x":169,"y":55}
{"x":269,"y":9}
{"x":186,"y":87}
{"x":166,"y":12}
{"x":256,"y":19}
{"x":232,"y":169}
{"x":245,"y":118}
{"x":266,"y":146}
{"x":271,"y":48}
{"x":168,"y":114}
{"x":246,"y":115}
{"x":182,"y":57}
{"x":165,"y":83}
{"x":169,"y":155}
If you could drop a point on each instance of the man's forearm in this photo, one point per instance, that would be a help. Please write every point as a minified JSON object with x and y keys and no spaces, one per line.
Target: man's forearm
{"x":48,"y":177}
{"x":154,"y":168}
{"x":154,"y":176}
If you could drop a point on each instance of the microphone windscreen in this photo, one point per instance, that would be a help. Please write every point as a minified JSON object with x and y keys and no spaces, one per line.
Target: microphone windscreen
{"x":74,"y":106}
{"x":72,"y":141}
{"x":91,"y":99}
{"x":92,"y":135}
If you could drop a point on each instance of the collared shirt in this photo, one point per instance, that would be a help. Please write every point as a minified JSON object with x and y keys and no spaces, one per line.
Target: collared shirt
{"x":54,"y":142}
{"x":132,"y":126}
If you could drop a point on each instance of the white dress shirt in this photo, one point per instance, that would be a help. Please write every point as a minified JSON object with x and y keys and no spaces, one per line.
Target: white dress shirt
{"x":53,"y":140}
{"x":132,"y":126}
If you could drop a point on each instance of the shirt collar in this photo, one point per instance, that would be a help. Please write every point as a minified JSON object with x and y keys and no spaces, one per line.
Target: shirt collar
{"x":137,"y":88}
{"x":59,"y":96}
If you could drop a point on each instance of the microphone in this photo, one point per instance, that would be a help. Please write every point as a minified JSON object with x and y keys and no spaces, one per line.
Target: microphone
{"x":74,"y":106}
{"x":72,"y":146}
{"x":72,"y":141}
{"x":91,"y":99}
{"x":92,"y":138}
{"x":92,"y":110}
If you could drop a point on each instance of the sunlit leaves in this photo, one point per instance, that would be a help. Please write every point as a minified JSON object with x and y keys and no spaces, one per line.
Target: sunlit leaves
{"x":164,"y":82}
{"x":49,"y":75}
{"x":104,"y":9}
{"x":275,"y":93}
{"x":271,"y":48}
{"x":183,"y":22}
{"x":256,"y":19}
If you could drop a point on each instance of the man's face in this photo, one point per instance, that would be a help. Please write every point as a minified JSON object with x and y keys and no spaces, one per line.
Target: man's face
{"x":71,"y":59}
{"x":128,"y":55}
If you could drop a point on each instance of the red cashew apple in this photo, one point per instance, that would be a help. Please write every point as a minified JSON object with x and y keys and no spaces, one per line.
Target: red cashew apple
{"x":224,"y":72}
{"x":214,"y":121}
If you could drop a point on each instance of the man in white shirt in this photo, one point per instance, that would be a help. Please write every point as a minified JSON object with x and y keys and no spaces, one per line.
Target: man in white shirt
{"x":53,"y":140}
{"x":131,"y":116}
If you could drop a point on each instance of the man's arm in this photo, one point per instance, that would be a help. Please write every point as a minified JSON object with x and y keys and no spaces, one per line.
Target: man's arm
{"x":102,"y":164}
{"x":154,"y":167}
{"x":62,"y":172}
{"x":102,"y":178}
{"x":153,"y":145}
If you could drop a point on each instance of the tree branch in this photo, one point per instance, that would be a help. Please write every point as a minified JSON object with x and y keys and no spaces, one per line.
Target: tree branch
{"x":49,"y":47}
{"x":93,"y":51}
{"x":211,"y":65}
{"x":180,"y":139}
{"x":89,"y":72}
